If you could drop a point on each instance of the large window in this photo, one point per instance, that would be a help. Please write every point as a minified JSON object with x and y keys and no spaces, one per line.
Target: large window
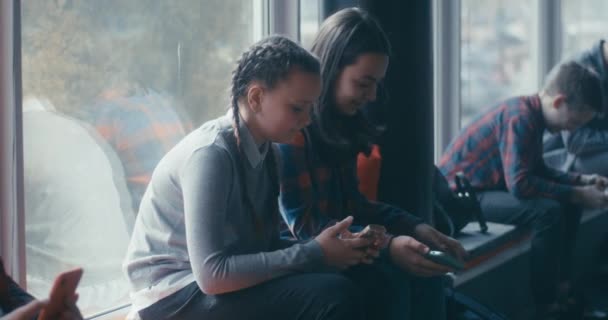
{"x":503,"y":48}
{"x":497,"y":53}
{"x":584,"y":22}
{"x":109,"y":87}
{"x":310,"y":14}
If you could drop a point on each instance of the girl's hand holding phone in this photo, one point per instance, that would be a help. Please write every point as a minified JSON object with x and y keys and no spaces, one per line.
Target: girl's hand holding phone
{"x":340,"y":250}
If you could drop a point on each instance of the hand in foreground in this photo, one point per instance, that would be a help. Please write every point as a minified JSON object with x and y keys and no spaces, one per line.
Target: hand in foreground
{"x":439,"y":241}
{"x":342,"y":252}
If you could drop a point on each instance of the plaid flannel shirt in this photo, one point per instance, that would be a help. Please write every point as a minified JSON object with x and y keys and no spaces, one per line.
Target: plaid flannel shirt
{"x":314,"y":194}
{"x":502,"y":149}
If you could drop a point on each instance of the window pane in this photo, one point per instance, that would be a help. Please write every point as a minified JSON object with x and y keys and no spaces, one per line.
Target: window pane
{"x":309,"y":21}
{"x":496,"y":53}
{"x":584,"y":23}
{"x":109,"y":87}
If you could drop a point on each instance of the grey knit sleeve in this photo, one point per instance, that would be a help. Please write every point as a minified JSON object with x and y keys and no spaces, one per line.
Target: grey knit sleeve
{"x":206,"y":181}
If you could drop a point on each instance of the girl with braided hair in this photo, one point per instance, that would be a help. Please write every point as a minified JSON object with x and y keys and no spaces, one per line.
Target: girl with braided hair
{"x":206,"y":240}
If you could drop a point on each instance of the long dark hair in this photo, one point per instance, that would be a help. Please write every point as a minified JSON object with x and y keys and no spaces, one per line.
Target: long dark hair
{"x":269,"y":60}
{"x":342,"y":38}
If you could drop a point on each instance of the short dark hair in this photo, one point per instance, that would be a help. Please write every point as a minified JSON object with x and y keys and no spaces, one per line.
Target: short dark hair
{"x":580,"y":85}
{"x":341,"y":39}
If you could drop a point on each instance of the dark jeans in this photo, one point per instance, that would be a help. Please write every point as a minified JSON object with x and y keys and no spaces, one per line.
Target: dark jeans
{"x":554,"y":226}
{"x":392,"y":294}
{"x":300,"y":296}
{"x":378,"y":291}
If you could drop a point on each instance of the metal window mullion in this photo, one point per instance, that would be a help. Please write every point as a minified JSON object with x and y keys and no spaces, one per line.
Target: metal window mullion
{"x":284,"y":17}
{"x":261,"y":23}
{"x":12,"y":227}
{"x":548,"y":37}
{"x":446,"y":72}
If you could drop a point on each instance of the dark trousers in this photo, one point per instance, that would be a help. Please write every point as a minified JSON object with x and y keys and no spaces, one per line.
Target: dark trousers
{"x":393,"y":294}
{"x":300,"y":296}
{"x":378,"y":291}
{"x":554,"y":226}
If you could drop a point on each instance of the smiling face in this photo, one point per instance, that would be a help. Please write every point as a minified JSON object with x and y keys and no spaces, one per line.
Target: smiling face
{"x":283,"y":111}
{"x":357,"y":84}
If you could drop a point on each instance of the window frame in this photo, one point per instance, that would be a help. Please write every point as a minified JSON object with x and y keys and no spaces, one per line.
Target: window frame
{"x":447,"y":52}
{"x":284,"y":18}
{"x":12,"y":214}
{"x":446,"y":73}
{"x":270,"y":17}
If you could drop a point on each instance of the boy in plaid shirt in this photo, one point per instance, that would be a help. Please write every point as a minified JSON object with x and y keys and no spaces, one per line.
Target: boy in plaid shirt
{"x":501,"y":154}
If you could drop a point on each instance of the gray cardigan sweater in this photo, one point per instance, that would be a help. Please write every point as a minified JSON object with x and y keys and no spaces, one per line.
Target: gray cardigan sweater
{"x":193,"y":224}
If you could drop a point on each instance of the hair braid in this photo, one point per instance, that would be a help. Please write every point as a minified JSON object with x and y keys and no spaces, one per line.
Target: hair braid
{"x":268,"y":61}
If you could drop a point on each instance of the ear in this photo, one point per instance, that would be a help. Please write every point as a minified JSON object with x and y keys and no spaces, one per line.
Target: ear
{"x":255,"y":95}
{"x":558,"y":100}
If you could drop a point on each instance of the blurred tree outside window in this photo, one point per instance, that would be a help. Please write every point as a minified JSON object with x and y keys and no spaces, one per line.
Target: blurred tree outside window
{"x":310,"y":19}
{"x":109,"y":87}
{"x":584,"y":23}
{"x":496,"y":53}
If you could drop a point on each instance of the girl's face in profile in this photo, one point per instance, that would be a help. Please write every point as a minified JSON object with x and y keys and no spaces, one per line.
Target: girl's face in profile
{"x":286,"y":109}
{"x":357,"y":83}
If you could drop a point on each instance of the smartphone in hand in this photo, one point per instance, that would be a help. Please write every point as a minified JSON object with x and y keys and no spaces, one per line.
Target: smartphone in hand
{"x":64,"y":288}
{"x":375,"y":232}
{"x":445,"y":259}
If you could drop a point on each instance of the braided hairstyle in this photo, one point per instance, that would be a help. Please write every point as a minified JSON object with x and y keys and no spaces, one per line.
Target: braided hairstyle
{"x":269,"y":61}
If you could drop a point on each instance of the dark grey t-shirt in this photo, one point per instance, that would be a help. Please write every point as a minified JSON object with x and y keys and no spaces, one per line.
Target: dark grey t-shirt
{"x":193,"y":224}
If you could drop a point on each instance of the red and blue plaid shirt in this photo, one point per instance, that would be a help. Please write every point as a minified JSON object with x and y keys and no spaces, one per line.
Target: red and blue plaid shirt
{"x":315,"y":194}
{"x":141,"y":129}
{"x":502,"y":150}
